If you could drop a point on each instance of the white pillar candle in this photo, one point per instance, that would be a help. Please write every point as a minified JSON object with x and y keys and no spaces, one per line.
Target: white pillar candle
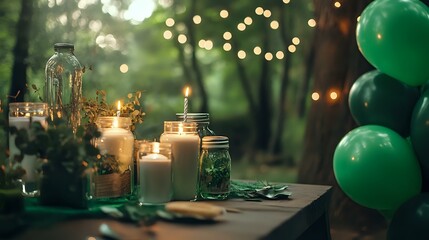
{"x":155,"y":179}
{"x":118,"y":142}
{"x":30,"y":163}
{"x":184,"y":150}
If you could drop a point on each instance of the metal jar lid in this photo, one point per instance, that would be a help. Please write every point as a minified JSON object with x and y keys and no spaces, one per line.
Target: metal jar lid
{"x":215,"y":142}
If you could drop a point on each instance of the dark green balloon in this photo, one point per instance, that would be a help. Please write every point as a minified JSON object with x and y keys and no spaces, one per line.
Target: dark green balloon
{"x":411,"y":220}
{"x":419,"y":135}
{"x":377,"y":168}
{"x":393,"y":35}
{"x":376,"y":98}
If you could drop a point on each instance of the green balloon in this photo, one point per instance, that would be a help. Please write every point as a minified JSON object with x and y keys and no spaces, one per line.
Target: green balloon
{"x":376,"y":168}
{"x":393,"y":35}
{"x":419,"y":135}
{"x":375,"y":98}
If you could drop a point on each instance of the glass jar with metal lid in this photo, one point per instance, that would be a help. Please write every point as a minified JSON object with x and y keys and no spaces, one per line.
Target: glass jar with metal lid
{"x":202,"y":120}
{"x":215,"y":168}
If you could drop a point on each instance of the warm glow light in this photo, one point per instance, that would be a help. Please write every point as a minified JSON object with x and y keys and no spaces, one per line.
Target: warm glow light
{"x":268,"y":56}
{"x":292,"y":48}
{"x":315,"y":96}
{"x":227,"y":35}
{"x":337,"y":4}
{"x":209,"y":45}
{"x":267,"y":13}
{"x":123,"y":68}
{"x":241,"y":54}
{"x":119,"y":106}
{"x":248,"y":20}
{"x":227,"y":47}
{"x":379,"y":36}
{"x":180,"y":128}
{"x":182,"y":38}
{"x":187,"y":91}
{"x":259,"y":11}
{"x":257,"y":50}
{"x":155,"y":147}
{"x":168,"y":34}
{"x":241,"y":26}
{"x":224,"y":14}
{"x":333,"y":95}
{"x":311,"y":22}
{"x":115,"y":123}
{"x":286,"y":1}
{"x":274,"y":24}
{"x":169,"y":22}
{"x":296,"y":40}
{"x":202,"y":43}
{"x":280,"y":55}
{"x":197,"y":19}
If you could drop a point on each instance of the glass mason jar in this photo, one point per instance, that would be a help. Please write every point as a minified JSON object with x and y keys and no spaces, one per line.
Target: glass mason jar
{"x":185,"y":148}
{"x":63,"y":84}
{"x":202,"y":120}
{"x":21,"y":115}
{"x":113,"y":171}
{"x":154,"y":173}
{"x":215,"y":168}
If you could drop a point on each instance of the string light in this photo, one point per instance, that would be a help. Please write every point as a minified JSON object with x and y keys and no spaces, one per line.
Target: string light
{"x":333,"y":95}
{"x":202,"y":43}
{"x":274,"y":24}
{"x":268,"y":56}
{"x":315,"y":96}
{"x":224,"y":13}
{"x":259,"y":11}
{"x":227,"y":47}
{"x":257,"y":50}
{"x":248,"y":21}
{"x":169,"y":22}
{"x":286,"y":1}
{"x":227,"y":35}
{"x":280,"y":55}
{"x":337,"y":4}
{"x":123,"y":68}
{"x":182,"y":38}
{"x":197,"y":19}
{"x":267,"y":13}
{"x":291,"y":48}
{"x":311,"y":22}
{"x":241,"y":54}
{"x":241,"y":26}
{"x":296,"y":40}
{"x":168,"y":34}
{"x":208,"y":44}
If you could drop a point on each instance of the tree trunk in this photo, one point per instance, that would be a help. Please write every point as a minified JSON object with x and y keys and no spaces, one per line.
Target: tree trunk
{"x":20,"y":51}
{"x":338,"y":63}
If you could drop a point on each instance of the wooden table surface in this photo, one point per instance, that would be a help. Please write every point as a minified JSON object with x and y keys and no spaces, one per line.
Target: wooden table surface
{"x":303,"y":216}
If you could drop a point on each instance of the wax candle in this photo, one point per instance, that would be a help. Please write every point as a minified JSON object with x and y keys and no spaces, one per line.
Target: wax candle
{"x":155,"y":178}
{"x":21,"y":114}
{"x":185,"y":145}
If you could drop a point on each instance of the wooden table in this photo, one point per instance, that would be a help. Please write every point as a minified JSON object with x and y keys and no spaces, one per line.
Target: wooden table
{"x":303,"y":216}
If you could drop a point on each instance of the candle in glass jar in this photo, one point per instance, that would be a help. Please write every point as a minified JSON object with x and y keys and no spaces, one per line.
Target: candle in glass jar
{"x":155,"y":179}
{"x":185,"y":147}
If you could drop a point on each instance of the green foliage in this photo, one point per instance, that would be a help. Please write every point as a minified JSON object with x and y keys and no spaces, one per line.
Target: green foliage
{"x":64,"y":151}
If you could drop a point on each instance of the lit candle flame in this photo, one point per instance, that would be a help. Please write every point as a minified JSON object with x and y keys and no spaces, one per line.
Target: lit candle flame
{"x":115,"y":123}
{"x":185,"y":105}
{"x":180,"y":128}
{"x":187,"y":92}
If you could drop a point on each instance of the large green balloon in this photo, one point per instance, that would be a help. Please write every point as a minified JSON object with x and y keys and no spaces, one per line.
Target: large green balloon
{"x":377,"y":168}
{"x":411,"y":220}
{"x":419,"y":135}
{"x":393,"y":35}
{"x":375,"y":98}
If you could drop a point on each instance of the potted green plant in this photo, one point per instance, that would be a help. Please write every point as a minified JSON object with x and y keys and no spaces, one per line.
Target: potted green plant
{"x":11,"y":198}
{"x":68,"y":156}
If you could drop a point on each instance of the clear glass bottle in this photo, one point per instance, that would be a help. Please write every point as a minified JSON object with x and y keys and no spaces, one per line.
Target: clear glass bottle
{"x":185,"y":149}
{"x":201,"y":119}
{"x":215,"y":168}
{"x":63,"y":84}
{"x":114,"y":170}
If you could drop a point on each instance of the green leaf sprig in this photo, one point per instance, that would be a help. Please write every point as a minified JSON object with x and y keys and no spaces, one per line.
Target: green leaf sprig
{"x":255,"y":191}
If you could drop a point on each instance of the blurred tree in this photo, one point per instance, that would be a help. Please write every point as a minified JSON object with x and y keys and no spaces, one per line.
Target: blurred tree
{"x":20,"y":50}
{"x":337,"y":64}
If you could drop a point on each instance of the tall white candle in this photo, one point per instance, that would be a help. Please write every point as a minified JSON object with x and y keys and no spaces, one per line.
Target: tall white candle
{"x":30,"y":163}
{"x":185,"y":150}
{"x":155,"y":179}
